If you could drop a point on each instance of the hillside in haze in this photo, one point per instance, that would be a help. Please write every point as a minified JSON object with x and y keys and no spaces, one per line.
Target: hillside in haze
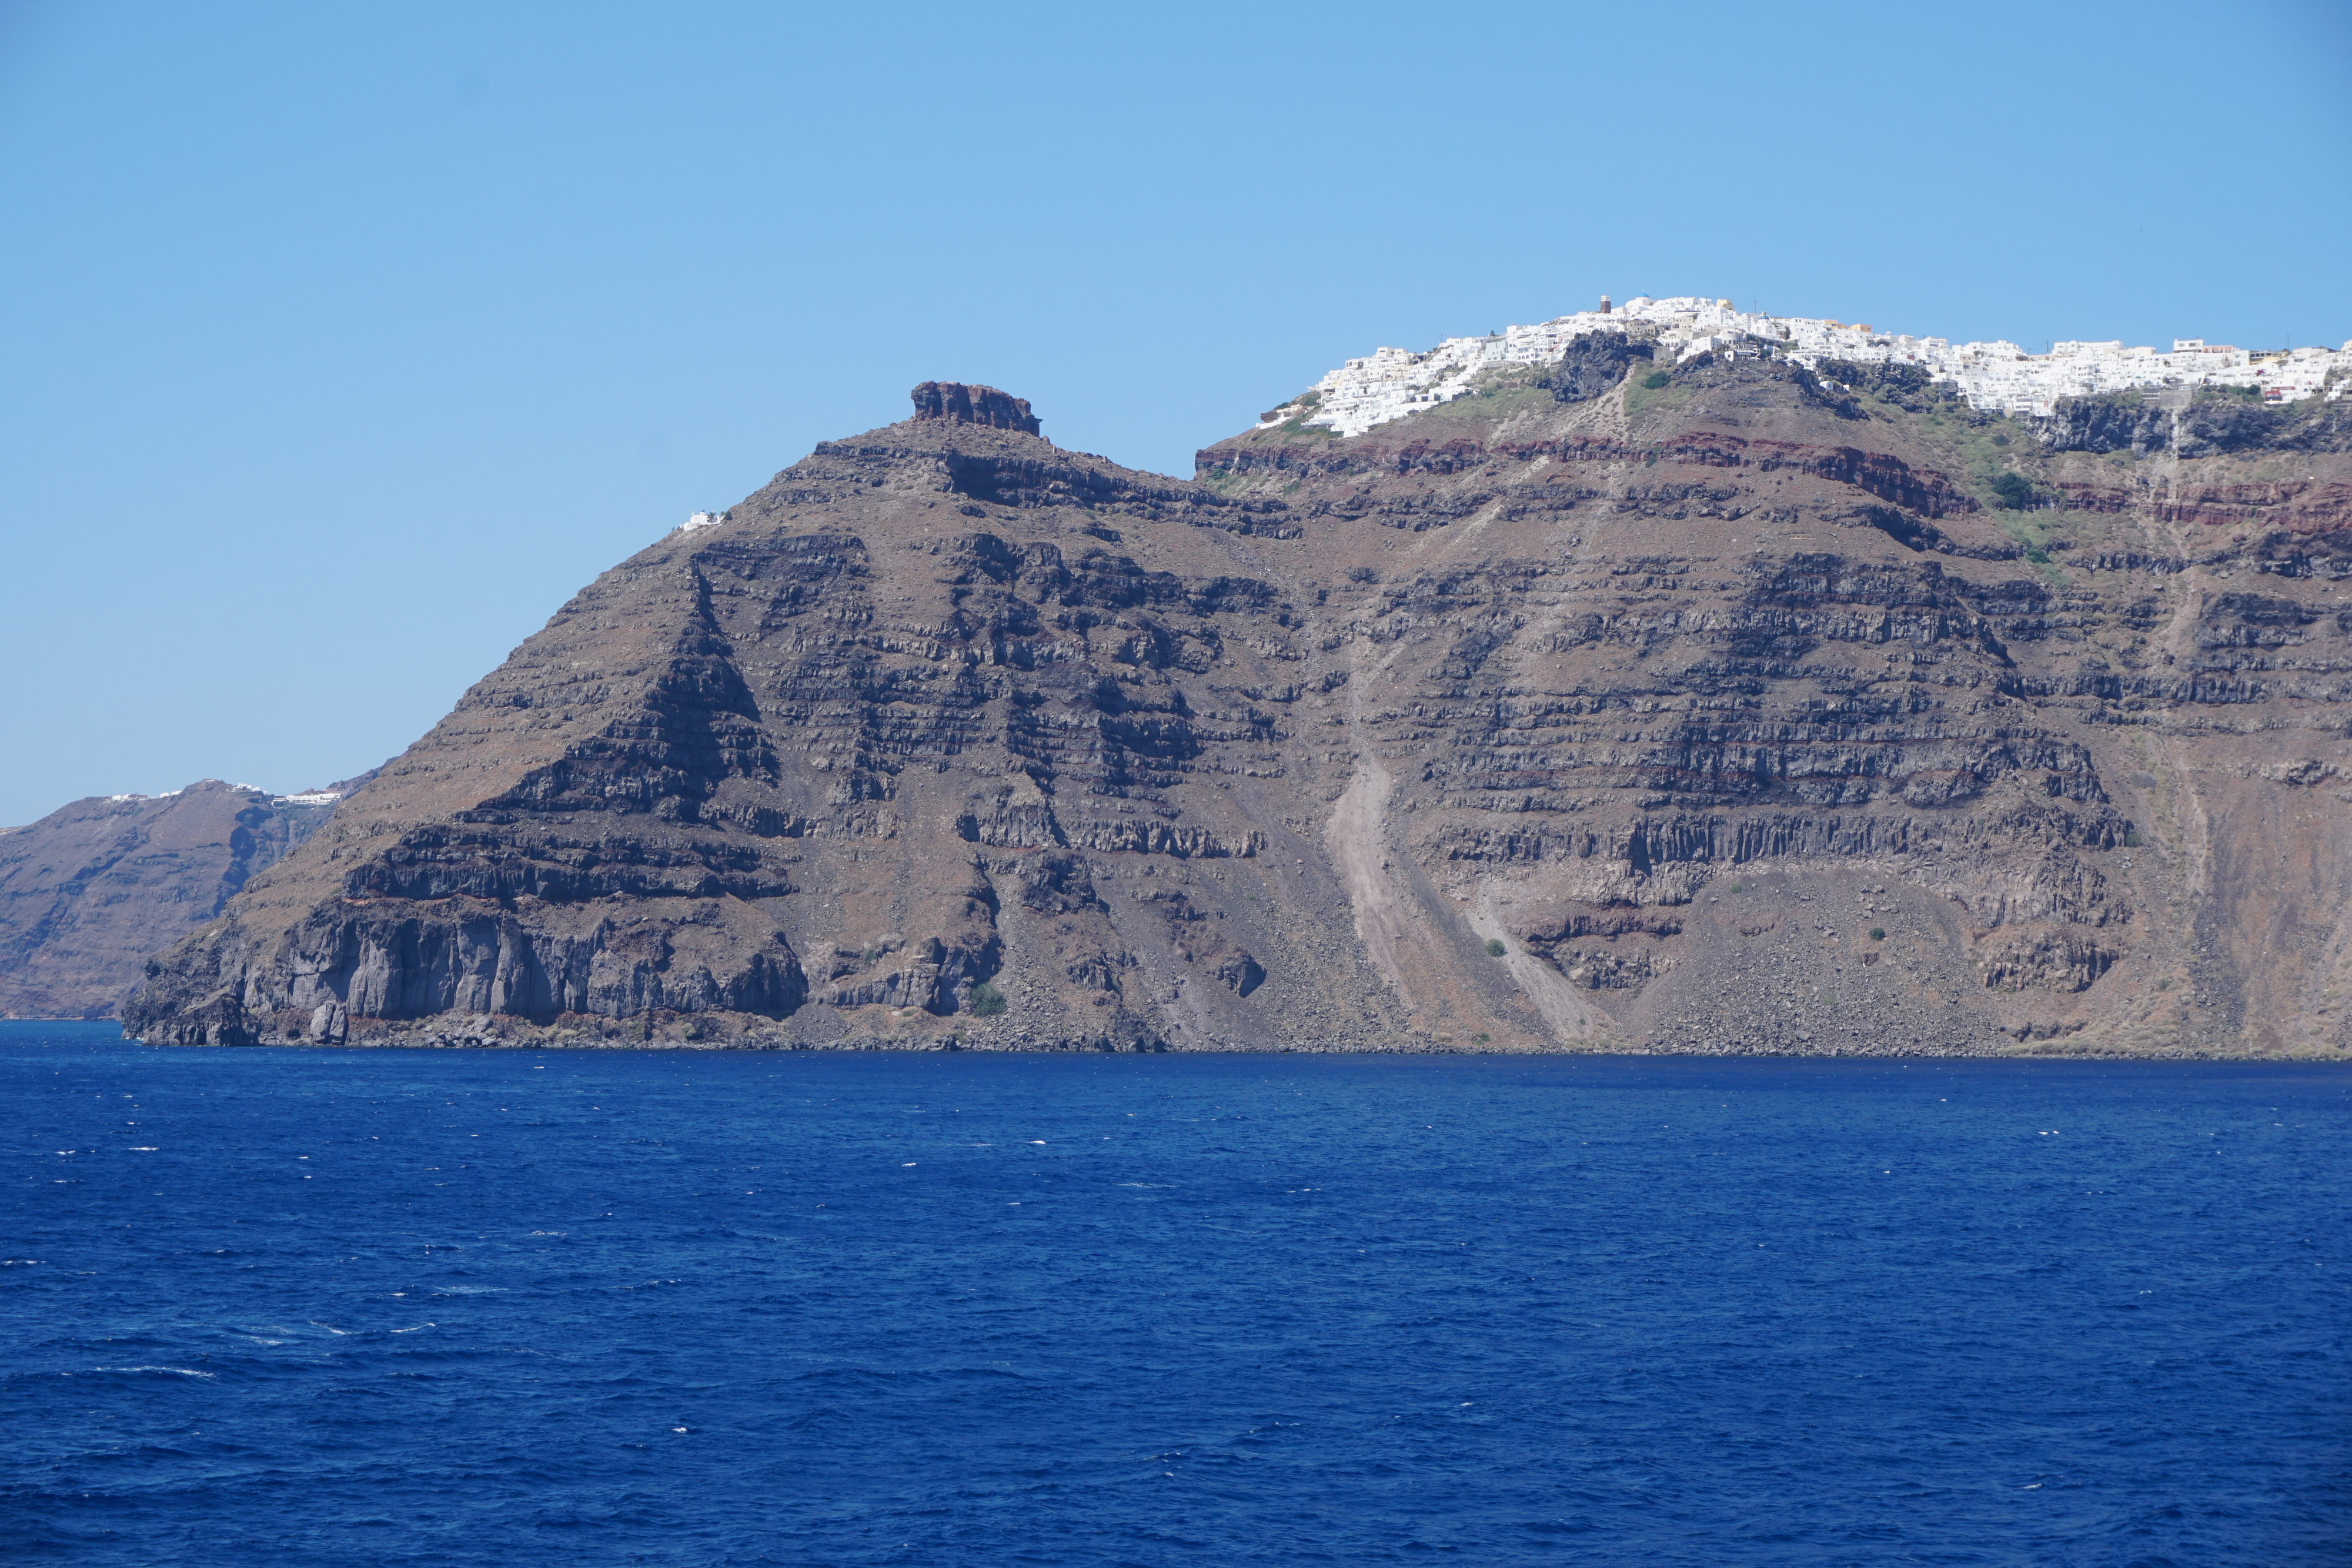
{"x":90,"y":890}
{"x":1658,"y":695}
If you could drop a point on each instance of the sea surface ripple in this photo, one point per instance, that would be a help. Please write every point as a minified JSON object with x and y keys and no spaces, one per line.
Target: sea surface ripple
{"x":521,"y":1308}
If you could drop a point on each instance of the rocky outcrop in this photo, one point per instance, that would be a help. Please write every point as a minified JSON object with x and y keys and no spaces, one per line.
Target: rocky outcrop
{"x":1723,"y":715}
{"x":1595,"y":363}
{"x":1908,"y":386}
{"x":91,"y":889}
{"x":2116,"y":421}
{"x":2212,"y":423}
{"x":958,"y":403}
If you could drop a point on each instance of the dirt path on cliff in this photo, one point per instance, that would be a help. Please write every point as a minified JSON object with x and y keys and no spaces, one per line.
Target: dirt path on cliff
{"x":1574,"y":1022}
{"x":1357,"y":836}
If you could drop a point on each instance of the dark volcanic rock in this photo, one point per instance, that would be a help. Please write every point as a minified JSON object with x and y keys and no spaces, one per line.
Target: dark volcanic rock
{"x":973,"y":405}
{"x":1595,"y":363}
{"x":91,"y":889}
{"x":2209,"y":425}
{"x":2117,"y":421}
{"x":1728,"y":710}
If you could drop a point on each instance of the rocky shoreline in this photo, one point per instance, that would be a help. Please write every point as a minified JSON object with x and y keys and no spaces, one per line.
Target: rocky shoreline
{"x":705,"y":1032}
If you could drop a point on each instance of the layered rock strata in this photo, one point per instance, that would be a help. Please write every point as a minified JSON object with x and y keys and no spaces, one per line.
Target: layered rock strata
{"x":1736,"y":707}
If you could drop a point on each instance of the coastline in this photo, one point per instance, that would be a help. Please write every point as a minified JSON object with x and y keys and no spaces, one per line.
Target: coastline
{"x":522,"y":1035}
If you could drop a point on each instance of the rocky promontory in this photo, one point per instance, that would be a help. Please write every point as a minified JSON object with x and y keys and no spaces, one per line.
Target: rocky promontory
{"x":1723,"y":704}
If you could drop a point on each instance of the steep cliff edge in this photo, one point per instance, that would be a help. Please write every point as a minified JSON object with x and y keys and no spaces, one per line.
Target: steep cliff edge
{"x":91,"y":889}
{"x":1731,"y":707}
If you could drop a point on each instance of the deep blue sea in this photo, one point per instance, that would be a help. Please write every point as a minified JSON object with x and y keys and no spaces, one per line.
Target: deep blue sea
{"x":384,"y":1307}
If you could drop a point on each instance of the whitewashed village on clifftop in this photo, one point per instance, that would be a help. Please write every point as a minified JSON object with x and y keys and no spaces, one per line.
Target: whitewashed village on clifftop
{"x":1998,"y":377}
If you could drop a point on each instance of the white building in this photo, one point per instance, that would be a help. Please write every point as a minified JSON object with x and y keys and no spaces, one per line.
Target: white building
{"x":1997,"y":376}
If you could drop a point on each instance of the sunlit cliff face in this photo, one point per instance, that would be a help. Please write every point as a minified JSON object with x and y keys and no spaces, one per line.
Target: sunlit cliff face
{"x":1742,"y":705}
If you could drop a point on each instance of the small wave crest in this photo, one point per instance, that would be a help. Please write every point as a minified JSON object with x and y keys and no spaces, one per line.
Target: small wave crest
{"x":173,"y":1371}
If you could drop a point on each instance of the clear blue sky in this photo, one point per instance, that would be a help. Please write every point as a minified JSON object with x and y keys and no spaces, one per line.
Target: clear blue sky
{"x":344,"y":343}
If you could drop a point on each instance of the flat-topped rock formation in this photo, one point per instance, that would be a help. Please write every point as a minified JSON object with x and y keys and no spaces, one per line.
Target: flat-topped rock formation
{"x":1701,"y":702}
{"x":961,"y":404}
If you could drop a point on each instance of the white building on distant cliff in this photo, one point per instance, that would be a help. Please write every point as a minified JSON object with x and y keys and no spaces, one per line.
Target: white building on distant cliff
{"x":1998,"y":376}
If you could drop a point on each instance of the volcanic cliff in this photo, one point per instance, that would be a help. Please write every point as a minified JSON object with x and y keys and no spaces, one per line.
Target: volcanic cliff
{"x":1739,"y":706}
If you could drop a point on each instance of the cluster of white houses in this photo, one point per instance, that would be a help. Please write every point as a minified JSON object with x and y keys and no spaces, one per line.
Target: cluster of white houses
{"x":1998,"y":377}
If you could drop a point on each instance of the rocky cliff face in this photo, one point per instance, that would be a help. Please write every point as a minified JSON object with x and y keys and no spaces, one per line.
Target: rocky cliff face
{"x":1758,"y":710}
{"x":1595,"y":365}
{"x":91,"y":889}
{"x":958,"y":404}
{"x":2205,"y":424}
